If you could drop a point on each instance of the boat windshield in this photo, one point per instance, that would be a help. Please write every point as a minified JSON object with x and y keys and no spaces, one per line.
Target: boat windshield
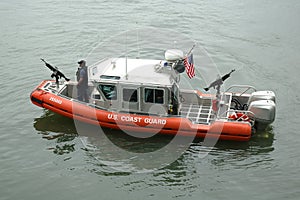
{"x":109,"y":91}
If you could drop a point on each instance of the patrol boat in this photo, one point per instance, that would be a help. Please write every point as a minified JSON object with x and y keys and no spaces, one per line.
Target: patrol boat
{"x":143,"y":95}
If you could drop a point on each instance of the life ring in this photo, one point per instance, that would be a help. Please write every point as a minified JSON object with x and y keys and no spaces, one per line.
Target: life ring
{"x":239,"y":117}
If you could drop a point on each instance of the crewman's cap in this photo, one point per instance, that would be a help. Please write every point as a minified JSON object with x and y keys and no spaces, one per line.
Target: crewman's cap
{"x":81,"y":61}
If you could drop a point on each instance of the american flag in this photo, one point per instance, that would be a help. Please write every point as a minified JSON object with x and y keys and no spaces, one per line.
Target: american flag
{"x":189,"y":66}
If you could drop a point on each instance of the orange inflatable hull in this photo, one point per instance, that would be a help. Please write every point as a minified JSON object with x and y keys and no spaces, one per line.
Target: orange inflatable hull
{"x":223,"y":130}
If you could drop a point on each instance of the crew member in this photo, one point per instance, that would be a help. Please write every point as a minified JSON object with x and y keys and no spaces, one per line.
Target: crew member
{"x":82,"y":85}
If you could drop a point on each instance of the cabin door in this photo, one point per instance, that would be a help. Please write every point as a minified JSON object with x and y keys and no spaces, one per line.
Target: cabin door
{"x":130,"y":98}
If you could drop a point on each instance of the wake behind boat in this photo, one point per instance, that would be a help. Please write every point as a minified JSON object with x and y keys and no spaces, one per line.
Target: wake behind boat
{"x":143,"y":95}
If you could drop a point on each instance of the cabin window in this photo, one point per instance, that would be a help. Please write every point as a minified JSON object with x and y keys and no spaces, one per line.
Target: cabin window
{"x":109,"y":91}
{"x":154,"y":95}
{"x":110,"y":77}
{"x":130,"y":95}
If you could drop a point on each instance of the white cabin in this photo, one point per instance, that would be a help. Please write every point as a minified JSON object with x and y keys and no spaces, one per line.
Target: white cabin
{"x":135,"y":85}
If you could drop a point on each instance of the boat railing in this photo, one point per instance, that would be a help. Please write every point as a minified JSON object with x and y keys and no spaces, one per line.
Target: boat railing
{"x":240,"y":89}
{"x":53,"y":87}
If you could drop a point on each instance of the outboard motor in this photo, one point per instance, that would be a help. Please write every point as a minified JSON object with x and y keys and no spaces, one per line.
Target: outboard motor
{"x":262,"y":104}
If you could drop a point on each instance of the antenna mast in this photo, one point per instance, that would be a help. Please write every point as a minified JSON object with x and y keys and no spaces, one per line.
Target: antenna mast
{"x":126,"y":70}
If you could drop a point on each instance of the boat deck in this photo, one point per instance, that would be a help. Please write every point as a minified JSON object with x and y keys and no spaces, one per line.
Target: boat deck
{"x":204,"y":113}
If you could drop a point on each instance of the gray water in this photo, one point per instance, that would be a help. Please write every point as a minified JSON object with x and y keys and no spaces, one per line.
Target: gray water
{"x":260,"y":38}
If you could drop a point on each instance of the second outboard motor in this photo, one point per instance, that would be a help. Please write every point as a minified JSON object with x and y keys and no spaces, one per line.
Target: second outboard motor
{"x":262,"y":104}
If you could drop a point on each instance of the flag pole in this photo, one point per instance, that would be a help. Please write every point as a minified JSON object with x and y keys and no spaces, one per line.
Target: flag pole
{"x":190,"y":51}
{"x":190,"y":70}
